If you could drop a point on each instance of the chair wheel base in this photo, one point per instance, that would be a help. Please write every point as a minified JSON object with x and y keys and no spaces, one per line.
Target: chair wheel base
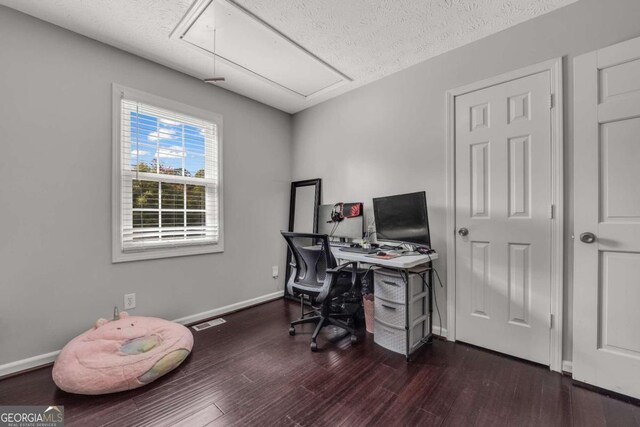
{"x":314,"y":346}
{"x":354,"y":339}
{"x":292,"y":331}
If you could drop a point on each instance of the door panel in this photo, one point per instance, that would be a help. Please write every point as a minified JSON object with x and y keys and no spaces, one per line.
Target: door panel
{"x":607,"y":203}
{"x":503,"y":196}
{"x":619,"y":80}
{"x":620,"y":293}
{"x":620,"y":157}
{"x":480,"y":180}
{"x":519,"y":166}
{"x":519,"y":284}
{"x":480,"y":266}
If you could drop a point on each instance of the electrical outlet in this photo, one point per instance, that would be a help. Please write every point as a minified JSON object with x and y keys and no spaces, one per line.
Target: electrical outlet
{"x":274,"y":271}
{"x":129,"y":301}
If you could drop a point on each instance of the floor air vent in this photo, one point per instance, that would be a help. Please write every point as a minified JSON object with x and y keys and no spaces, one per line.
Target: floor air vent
{"x":210,"y":324}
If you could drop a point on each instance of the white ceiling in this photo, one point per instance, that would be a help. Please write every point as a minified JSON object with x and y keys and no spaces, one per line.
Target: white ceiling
{"x":360,"y":40}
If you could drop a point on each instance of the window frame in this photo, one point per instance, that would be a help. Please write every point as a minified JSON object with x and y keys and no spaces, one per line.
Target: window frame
{"x":119,"y":254}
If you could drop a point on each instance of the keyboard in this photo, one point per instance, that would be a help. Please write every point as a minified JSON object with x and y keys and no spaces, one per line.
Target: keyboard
{"x":360,"y":250}
{"x":340,"y":244}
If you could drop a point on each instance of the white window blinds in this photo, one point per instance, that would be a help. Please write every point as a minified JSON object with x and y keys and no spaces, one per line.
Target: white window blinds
{"x":169,"y":178}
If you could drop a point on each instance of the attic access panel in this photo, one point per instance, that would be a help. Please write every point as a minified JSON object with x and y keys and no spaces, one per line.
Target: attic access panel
{"x":246,"y":42}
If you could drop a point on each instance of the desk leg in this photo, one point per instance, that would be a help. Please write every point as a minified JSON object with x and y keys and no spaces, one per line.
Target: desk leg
{"x":407,"y":328}
{"x":431,"y":292}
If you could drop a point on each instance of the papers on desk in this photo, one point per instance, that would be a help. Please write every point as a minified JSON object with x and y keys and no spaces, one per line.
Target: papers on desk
{"x":388,"y":256}
{"x":393,"y":254}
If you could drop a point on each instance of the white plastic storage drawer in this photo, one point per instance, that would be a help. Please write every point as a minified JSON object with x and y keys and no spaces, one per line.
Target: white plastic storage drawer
{"x":418,"y":332}
{"x":416,"y":285}
{"x":390,"y":312}
{"x":390,"y":337}
{"x":389,"y":285}
{"x":418,"y":308}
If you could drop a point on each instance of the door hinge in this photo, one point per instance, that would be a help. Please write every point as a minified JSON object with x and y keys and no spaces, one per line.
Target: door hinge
{"x":552,"y":211}
{"x":551,"y":100}
{"x":550,"y":320}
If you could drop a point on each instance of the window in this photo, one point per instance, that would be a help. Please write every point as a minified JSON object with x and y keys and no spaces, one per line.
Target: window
{"x":167,"y":178}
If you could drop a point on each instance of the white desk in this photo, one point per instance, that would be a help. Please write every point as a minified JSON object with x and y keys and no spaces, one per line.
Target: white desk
{"x":404,"y":264}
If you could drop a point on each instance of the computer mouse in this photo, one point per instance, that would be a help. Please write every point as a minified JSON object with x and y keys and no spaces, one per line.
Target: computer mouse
{"x":380,"y":253}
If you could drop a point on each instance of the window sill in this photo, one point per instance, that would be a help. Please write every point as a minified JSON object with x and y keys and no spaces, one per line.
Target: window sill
{"x":156,"y":253}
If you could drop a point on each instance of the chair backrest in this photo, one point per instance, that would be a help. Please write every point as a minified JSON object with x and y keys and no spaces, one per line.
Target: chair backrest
{"x":312,"y":257}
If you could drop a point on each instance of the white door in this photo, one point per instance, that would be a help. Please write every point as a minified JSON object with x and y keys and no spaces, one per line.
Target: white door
{"x":503,"y":199}
{"x":606,"y":303}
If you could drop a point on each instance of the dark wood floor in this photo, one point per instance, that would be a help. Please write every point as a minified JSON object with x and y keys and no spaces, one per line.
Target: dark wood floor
{"x":249,"y":371}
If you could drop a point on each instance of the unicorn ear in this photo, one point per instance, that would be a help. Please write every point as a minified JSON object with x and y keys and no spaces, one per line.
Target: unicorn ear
{"x":100,"y":322}
{"x":123,"y":314}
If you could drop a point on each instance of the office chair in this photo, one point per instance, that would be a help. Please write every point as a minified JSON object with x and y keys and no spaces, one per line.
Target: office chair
{"x":317,"y":275}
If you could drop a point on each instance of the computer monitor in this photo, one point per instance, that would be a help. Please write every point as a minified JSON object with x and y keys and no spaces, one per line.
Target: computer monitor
{"x":402,"y":218}
{"x":348,"y":228}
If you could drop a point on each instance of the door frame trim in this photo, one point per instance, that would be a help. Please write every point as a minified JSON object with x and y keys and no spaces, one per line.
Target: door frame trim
{"x":555,"y":68}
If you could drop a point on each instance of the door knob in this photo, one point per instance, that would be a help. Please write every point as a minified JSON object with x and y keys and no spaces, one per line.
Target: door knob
{"x":588,"y":237}
{"x":463,"y":232}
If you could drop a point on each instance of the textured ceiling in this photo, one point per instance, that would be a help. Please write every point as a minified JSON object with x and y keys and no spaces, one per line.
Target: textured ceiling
{"x":364,"y":39}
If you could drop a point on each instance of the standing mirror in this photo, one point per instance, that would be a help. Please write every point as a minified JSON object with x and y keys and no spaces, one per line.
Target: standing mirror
{"x":306,"y":196}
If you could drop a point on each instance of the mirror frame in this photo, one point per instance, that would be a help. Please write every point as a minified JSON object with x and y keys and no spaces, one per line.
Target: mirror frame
{"x":317,"y":182}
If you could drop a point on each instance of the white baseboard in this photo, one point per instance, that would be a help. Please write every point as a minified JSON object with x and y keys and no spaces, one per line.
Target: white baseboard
{"x":45,"y":359}
{"x":229,"y":308}
{"x":31,"y":362}
{"x":436,"y":331}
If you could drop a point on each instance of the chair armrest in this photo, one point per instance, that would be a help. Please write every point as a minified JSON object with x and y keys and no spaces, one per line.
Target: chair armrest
{"x":341,"y":267}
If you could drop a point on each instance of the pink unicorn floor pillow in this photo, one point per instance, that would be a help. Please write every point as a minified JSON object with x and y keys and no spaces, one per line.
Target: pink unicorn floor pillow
{"x":121,"y":355}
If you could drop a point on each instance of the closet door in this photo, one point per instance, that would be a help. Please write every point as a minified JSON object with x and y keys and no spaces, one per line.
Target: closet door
{"x":606,"y":307}
{"x":503,"y":200}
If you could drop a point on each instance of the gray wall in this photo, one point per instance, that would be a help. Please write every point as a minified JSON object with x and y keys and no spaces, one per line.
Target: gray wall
{"x":56,"y":275}
{"x":389,"y":136}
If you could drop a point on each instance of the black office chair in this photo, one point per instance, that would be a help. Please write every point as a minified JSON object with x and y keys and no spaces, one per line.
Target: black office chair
{"x":317,"y":275}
